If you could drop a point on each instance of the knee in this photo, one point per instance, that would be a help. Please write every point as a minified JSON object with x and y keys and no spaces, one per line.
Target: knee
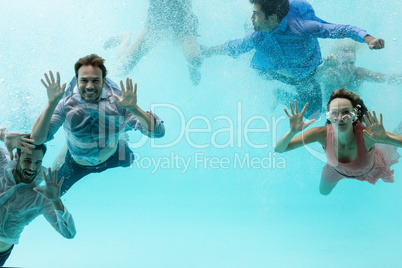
{"x":326,"y":187}
{"x":325,"y":191}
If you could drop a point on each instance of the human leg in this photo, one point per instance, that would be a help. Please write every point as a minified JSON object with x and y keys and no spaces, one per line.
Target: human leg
{"x":326,"y":187}
{"x":309,"y":90}
{"x":122,"y":39}
{"x":280,"y":95}
{"x":329,"y":179}
{"x":123,"y":157}
{"x":4,"y":255}
{"x":72,"y":172}
{"x":189,"y":46}
{"x":59,"y":161}
{"x":128,"y":55}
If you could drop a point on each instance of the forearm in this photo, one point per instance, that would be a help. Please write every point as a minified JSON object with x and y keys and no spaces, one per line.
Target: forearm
{"x":368,"y":38}
{"x":58,"y":205}
{"x":334,"y":31}
{"x":283,"y":143}
{"x":41,"y":127}
{"x":211,"y":51}
{"x":371,"y":76}
{"x":146,"y":120}
{"x":218,"y":50}
{"x":394,"y":79}
{"x":393,"y":139}
{"x":61,"y":220}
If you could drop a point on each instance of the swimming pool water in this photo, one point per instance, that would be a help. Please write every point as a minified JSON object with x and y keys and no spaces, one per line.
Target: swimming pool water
{"x":210,"y":214}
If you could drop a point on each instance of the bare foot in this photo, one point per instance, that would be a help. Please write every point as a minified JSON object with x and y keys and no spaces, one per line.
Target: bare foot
{"x":195,"y":75}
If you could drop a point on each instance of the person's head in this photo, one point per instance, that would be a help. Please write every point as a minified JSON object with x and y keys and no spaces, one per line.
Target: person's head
{"x":267,"y":14}
{"x":345,"y":107}
{"x":345,"y":51}
{"x":90,"y":74}
{"x":347,"y":62}
{"x":29,"y":165}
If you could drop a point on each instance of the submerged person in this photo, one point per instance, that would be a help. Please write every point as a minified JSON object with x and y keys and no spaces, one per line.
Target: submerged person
{"x":339,"y":70}
{"x":351,"y":149}
{"x":285,"y":39}
{"x":167,"y":19}
{"x":93,"y":112}
{"x":23,"y":198}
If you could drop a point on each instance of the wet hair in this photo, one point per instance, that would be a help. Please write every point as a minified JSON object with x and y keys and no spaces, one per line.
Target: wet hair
{"x":346,"y":45}
{"x":353,"y":98}
{"x":271,"y":7}
{"x":37,"y":148}
{"x":93,"y":60}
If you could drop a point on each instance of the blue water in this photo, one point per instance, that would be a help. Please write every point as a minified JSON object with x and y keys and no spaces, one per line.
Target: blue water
{"x":268,"y":214}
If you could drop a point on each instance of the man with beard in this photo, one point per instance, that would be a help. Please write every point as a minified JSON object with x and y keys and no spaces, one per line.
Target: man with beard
{"x":285,"y":39}
{"x":23,"y":196}
{"x":94,"y":112}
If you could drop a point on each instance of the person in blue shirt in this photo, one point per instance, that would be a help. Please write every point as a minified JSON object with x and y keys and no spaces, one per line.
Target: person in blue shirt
{"x":285,"y":39}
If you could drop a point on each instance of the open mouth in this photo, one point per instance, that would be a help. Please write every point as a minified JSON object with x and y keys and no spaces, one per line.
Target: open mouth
{"x":28,"y":174}
{"x":89,"y":93}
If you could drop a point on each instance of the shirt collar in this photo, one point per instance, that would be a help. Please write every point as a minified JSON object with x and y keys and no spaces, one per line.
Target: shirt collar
{"x":282,"y":25}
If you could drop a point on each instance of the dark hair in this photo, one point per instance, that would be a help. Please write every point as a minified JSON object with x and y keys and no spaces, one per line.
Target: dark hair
{"x":271,"y":7}
{"x":93,"y":60}
{"x":37,"y":147}
{"x":353,"y":98}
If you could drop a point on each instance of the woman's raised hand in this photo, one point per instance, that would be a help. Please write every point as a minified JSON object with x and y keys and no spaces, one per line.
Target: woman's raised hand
{"x":296,"y":122}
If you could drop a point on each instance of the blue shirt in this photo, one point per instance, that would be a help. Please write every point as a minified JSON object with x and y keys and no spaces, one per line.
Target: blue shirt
{"x":293,"y":45}
{"x":92,"y":126}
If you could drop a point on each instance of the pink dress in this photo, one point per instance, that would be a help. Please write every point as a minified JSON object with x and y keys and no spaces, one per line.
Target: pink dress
{"x":367,"y":166}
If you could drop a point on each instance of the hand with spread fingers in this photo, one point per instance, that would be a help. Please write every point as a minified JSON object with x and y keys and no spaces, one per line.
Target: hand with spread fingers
{"x":129,"y":98}
{"x":18,"y":140}
{"x":331,"y":61}
{"x":55,"y":92}
{"x":377,"y":130}
{"x":52,"y":189}
{"x":296,"y":122}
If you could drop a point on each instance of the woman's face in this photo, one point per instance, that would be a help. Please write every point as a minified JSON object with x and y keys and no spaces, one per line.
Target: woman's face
{"x":341,"y":114}
{"x":347,"y":63}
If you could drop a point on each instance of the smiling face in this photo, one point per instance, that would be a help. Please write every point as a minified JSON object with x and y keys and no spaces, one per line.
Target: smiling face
{"x":341,"y":114}
{"x":90,"y":82}
{"x":28,"y":166}
{"x":261,"y":22}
